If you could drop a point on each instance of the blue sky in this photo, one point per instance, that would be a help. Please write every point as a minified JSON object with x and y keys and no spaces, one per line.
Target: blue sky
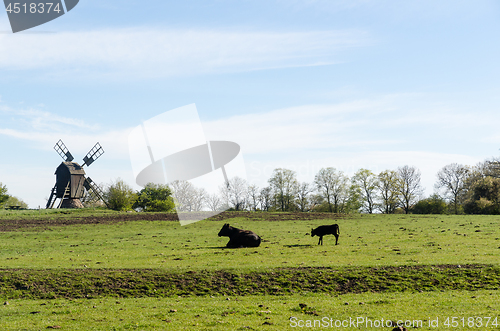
{"x":301,"y":84}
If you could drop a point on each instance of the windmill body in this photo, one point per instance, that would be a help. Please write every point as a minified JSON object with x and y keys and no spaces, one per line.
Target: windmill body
{"x":71,"y":184}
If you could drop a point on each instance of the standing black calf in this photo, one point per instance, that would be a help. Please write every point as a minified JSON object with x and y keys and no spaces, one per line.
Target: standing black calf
{"x":324,"y":230}
{"x":239,"y":238}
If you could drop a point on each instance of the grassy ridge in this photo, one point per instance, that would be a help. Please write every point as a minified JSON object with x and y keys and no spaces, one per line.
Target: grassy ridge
{"x":52,"y":214}
{"x":94,"y":283}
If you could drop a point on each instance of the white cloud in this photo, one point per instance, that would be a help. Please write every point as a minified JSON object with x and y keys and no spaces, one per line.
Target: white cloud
{"x":146,"y":52}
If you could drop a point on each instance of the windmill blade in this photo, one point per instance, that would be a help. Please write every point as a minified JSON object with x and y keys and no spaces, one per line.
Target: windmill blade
{"x":94,"y":192}
{"x":93,"y":155}
{"x":63,"y":151}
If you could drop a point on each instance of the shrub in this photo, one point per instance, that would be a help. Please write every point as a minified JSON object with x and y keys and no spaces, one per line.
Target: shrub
{"x":13,"y":201}
{"x":120,"y":196}
{"x":485,"y":197}
{"x":432,"y":205}
{"x":155,"y":197}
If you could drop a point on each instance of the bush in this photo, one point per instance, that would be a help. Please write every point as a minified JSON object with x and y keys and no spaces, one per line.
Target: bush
{"x":432,"y":205}
{"x":155,"y":197}
{"x":120,"y":196}
{"x":485,"y":197}
{"x":13,"y":201}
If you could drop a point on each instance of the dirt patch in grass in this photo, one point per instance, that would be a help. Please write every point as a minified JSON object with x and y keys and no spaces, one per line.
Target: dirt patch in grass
{"x":94,"y":283}
{"x":69,"y":219}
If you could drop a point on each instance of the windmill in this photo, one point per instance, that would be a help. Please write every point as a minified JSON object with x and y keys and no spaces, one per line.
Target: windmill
{"x":71,"y":184}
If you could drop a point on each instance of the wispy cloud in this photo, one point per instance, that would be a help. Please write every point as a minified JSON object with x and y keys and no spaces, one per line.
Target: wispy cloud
{"x":390,"y":122}
{"x":146,"y":52}
{"x":37,"y":119}
{"x":44,"y":129}
{"x":308,"y":127}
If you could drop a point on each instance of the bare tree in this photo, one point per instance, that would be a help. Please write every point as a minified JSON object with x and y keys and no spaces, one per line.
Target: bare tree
{"x":265,"y":198}
{"x":284,"y":185}
{"x":253,"y":197}
{"x":234,"y":193}
{"x":198,"y":199}
{"x":303,"y":191}
{"x":452,"y":178}
{"x":187,"y":197}
{"x":367,"y":183}
{"x":214,"y":202}
{"x":409,"y":187}
{"x":388,"y":184}
{"x":333,"y":186}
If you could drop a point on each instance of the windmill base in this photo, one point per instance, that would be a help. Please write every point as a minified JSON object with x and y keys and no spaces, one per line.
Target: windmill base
{"x":71,"y":203}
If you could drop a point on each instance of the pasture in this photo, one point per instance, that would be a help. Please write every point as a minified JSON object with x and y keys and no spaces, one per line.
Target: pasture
{"x":365,"y":240}
{"x":400,"y":266}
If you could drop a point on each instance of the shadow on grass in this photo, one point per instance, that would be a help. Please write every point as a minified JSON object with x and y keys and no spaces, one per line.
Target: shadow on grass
{"x":231,"y":248}
{"x":297,"y":245}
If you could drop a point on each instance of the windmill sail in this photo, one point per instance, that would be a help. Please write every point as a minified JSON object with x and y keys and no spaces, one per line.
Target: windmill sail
{"x":93,"y":155}
{"x":94,"y":192}
{"x":63,"y":151}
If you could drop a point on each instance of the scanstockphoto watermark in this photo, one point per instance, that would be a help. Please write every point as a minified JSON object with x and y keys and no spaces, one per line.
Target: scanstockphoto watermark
{"x":26,"y":14}
{"x":366,"y":322}
{"x":357,"y":322}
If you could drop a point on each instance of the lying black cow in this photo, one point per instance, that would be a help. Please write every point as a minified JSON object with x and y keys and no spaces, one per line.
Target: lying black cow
{"x":324,"y":230}
{"x":239,"y":238}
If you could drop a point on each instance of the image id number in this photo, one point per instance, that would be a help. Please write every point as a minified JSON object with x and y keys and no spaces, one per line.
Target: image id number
{"x":471,"y":322}
{"x":33,"y":8}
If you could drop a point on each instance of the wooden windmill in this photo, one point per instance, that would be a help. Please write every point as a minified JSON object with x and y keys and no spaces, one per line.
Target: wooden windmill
{"x":71,"y":184}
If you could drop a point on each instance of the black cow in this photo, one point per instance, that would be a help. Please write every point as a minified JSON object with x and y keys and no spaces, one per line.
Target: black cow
{"x":324,"y":230}
{"x":239,"y":238}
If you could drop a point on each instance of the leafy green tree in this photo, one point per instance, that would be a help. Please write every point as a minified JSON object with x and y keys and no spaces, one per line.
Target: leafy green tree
{"x":367,"y":183}
{"x":432,"y":205}
{"x":284,"y":184}
{"x":388,"y":188}
{"x":353,"y":201}
{"x":155,"y":197}
{"x":120,"y":196}
{"x":3,"y":194}
{"x":333,"y":186}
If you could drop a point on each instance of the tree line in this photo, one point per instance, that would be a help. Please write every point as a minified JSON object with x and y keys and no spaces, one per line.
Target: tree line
{"x":459,"y":189}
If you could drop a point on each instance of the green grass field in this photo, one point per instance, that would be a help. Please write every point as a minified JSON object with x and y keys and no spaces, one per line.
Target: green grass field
{"x":254,"y":312}
{"x":367,"y":242}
